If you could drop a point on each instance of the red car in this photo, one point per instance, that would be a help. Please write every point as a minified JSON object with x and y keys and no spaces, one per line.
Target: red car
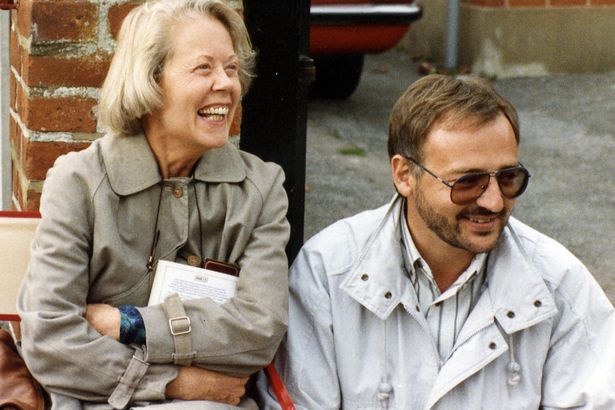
{"x":342,"y":31}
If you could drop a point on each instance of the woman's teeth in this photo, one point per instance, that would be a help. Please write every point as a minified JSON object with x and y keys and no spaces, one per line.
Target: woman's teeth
{"x":213,"y":113}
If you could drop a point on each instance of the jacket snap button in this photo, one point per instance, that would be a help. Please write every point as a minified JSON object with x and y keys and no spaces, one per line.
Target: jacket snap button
{"x":418,"y":308}
{"x":510,"y":314}
{"x":364,"y":277}
{"x":178,"y":191}
{"x":388,"y":295}
{"x":492,"y":345}
{"x":537,"y":303}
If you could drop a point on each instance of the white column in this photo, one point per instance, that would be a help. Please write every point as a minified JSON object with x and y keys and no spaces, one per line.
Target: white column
{"x":5,"y":148}
{"x":452,"y":35}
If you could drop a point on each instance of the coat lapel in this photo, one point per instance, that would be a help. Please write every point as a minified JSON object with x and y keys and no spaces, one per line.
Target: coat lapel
{"x":131,"y":166}
{"x":519,"y":293}
{"x":129,"y":163}
{"x":516,"y":297}
{"x":377,"y":281}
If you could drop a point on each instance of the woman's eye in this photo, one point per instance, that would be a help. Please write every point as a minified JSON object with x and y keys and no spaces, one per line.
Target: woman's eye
{"x":232,"y":68}
{"x":203,"y":67}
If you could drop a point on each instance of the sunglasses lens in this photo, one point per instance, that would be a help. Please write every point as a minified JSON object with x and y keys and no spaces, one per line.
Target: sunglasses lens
{"x":469,"y":187}
{"x":513,"y":182}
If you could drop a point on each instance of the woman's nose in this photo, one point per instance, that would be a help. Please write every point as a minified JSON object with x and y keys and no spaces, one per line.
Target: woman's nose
{"x":221,"y":80}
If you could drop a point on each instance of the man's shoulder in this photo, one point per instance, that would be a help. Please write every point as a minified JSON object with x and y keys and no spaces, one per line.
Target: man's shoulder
{"x":559,"y":268}
{"x":542,"y":249}
{"x":337,"y":246}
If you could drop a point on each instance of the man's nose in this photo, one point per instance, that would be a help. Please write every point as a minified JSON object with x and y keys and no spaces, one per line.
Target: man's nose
{"x":492,"y":198}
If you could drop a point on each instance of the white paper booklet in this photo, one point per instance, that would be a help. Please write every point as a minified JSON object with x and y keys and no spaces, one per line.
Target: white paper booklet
{"x":190,"y":282}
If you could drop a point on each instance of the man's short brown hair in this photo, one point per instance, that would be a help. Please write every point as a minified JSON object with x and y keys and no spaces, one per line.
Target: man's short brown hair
{"x":440,"y":99}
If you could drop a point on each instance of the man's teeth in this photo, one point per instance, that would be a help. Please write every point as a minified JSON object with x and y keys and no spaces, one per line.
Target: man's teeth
{"x":214,"y":112}
{"x":480,"y":221}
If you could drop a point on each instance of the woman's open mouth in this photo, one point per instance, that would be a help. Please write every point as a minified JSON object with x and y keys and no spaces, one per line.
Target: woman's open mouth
{"x":215,"y":113}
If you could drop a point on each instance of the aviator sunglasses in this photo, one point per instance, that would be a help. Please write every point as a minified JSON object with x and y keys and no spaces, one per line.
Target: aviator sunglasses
{"x":466,"y":189}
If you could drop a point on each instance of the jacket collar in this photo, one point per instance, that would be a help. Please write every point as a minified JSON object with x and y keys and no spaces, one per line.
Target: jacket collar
{"x":518,"y":292}
{"x":132,"y":167}
{"x":382,"y":261}
{"x":517,"y":287}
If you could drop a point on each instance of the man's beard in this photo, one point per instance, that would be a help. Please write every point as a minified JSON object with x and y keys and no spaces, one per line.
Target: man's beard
{"x":451,"y":232}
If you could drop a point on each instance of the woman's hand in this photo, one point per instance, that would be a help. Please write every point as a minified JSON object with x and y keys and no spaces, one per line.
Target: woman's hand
{"x":105,"y":319}
{"x":195,"y":383}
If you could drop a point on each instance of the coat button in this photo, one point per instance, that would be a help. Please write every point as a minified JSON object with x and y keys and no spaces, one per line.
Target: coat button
{"x":537,"y":303}
{"x":492,"y":345}
{"x":364,"y":277}
{"x":193,"y":260}
{"x":178,"y":191}
{"x":510,"y":314}
{"x":388,"y":295}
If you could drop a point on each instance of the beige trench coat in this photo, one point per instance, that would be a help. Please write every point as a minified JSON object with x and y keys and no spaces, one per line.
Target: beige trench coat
{"x":99,"y":211}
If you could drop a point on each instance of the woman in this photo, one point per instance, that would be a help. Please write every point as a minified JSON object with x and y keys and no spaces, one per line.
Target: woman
{"x":163,"y":183}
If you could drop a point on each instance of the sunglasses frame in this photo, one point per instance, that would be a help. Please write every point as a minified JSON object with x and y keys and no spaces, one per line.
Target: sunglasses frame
{"x":451,"y":183}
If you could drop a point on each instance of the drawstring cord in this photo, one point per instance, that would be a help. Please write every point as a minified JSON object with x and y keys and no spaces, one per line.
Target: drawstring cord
{"x":152,"y":253}
{"x":151,"y":260}
{"x":198,"y":211}
{"x":384,"y":388}
{"x":514,"y":368}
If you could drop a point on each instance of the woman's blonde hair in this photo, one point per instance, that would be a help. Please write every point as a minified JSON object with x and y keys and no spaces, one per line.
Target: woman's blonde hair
{"x":131,"y":89}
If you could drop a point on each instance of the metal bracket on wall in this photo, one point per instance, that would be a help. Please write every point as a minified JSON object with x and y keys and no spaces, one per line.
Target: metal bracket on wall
{"x":307,"y":70}
{"x":9,"y":4}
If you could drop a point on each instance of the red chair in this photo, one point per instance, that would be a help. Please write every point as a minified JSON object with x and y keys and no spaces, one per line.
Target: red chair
{"x":16,"y":232}
{"x":279,"y":390}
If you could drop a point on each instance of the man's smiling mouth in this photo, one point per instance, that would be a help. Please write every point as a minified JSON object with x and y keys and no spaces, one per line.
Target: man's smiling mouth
{"x":481,"y":220}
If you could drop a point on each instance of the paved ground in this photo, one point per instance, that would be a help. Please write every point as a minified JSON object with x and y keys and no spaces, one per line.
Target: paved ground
{"x":568,"y":144}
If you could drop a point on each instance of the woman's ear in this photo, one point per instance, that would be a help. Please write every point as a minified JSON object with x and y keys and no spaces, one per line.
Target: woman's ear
{"x":402,"y":175}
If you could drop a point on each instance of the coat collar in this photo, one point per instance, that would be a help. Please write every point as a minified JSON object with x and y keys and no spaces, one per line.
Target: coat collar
{"x":132,"y":167}
{"x":517,"y":289}
{"x":376,"y":280}
{"x":514,"y":283}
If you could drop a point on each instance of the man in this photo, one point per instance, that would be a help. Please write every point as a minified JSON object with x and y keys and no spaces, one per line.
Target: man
{"x":440,"y":299}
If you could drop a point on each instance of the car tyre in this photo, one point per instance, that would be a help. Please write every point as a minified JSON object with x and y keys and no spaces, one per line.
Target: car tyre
{"x":337,"y":76}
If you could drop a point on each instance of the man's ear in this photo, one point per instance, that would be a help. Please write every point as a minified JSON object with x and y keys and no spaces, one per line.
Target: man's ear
{"x":402,"y":175}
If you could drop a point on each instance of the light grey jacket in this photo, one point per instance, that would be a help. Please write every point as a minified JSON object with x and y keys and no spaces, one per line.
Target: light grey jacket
{"x":542,"y":334}
{"x":99,"y":211}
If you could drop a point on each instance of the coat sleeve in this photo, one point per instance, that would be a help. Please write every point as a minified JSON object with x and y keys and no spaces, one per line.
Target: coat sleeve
{"x":580,"y":368}
{"x":240,"y":336}
{"x":306,"y":359}
{"x":60,"y":348}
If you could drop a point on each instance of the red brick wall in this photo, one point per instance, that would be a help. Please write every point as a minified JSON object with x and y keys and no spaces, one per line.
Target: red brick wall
{"x":539,"y":3}
{"x":60,"y":53}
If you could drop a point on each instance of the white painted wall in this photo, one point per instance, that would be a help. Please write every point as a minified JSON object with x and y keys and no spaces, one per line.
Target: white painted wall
{"x":5,"y":149}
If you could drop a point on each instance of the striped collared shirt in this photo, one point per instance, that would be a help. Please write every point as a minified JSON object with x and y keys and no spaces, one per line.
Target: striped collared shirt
{"x":445,"y":312}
